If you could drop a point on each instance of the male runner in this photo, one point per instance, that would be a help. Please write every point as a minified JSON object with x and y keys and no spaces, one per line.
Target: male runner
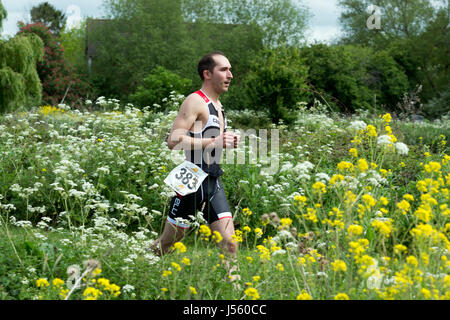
{"x":200,"y":130}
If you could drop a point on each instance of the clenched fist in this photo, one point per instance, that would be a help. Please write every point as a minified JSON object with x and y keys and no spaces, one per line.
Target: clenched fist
{"x":230,"y":140}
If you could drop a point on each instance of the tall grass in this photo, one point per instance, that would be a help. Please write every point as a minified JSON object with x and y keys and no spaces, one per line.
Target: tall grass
{"x":359,"y":209}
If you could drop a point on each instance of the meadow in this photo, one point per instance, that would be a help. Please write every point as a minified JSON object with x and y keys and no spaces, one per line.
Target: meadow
{"x":358,"y":208}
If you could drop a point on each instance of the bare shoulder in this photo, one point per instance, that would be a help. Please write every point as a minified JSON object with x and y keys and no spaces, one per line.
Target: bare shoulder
{"x":192,"y":105}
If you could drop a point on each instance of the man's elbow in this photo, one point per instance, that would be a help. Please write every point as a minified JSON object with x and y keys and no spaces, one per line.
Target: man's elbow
{"x":172,"y":142}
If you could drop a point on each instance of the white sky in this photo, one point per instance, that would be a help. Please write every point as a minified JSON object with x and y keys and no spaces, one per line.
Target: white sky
{"x":324,"y":25}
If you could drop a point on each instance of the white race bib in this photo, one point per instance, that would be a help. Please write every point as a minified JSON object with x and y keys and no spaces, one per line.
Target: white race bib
{"x":186,"y":178}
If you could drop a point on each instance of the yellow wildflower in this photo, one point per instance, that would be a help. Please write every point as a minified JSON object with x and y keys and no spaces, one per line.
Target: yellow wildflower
{"x":387,"y":117}
{"x":252,"y":293}
{"x":371,"y":131}
{"x":399,"y":248}
{"x":57,"y":282}
{"x":166,"y":273}
{"x":412,"y":261}
{"x":204,"y":231}
{"x":285,"y":222}
{"x":279,"y":267}
{"x":304,"y":296}
{"x":432,"y":166}
{"x":319,"y":187}
{"x":179,"y":247}
{"x":384,"y":201}
{"x":345,"y":165}
{"x":339,"y":265}
{"x":217,"y":236}
{"x":363,"y":165}
{"x":403,"y":206}
{"x":335,"y":178}
{"x":354,"y":230}
{"x":341,"y":296}
{"x":258,"y":232}
{"x":41,"y":282}
{"x":193,"y":290}
{"x":91,"y":293}
{"x":383,"y":227}
{"x":368,"y":200}
{"x":176,"y":266}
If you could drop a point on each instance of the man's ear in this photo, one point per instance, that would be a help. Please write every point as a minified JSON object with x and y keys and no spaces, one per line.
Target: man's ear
{"x":206,"y":74}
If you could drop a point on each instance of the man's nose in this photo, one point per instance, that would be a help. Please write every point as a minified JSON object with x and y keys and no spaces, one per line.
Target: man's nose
{"x":229,"y":74}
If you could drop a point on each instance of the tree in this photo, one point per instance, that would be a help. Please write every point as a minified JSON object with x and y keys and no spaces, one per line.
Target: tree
{"x":157,"y":86}
{"x":399,"y":19}
{"x":276,"y":82}
{"x":281,"y":21}
{"x":73,"y":42}
{"x":414,"y":32}
{"x":20,"y":85}
{"x":47,"y":14}
{"x":348,"y":77}
{"x":59,"y":82}
{"x":3,"y":15}
{"x":140,"y":35}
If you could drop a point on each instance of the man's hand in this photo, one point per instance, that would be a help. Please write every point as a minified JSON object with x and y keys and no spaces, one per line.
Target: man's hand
{"x":230,"y":140}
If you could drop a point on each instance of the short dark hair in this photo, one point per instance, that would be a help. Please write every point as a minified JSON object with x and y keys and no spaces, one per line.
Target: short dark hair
{"x":207,"y":62}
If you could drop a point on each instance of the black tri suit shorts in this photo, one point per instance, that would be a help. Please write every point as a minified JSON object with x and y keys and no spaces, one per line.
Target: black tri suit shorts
{"x":210,"y":199}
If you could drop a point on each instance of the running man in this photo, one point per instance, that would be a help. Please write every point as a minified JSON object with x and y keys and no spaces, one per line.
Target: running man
{"x":200,"y":130}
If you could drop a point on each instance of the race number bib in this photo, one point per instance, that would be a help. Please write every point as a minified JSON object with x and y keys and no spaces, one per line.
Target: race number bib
{"x":186,"y":178}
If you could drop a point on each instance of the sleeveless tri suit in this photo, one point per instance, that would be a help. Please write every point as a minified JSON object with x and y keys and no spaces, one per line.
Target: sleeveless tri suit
{"x":210,"y":198}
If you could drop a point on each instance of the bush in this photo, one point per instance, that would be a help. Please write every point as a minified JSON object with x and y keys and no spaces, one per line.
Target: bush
{"x":276,"y":82}
{"x":157,"y":86}
{"x":347,"y":77}
{"x":438,"y":106}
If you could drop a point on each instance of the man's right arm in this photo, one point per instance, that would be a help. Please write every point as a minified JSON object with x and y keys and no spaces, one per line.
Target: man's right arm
{"x":186,"y":119}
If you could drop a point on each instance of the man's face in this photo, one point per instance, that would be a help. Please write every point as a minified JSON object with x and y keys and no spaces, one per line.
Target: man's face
{"x":221,"y":75}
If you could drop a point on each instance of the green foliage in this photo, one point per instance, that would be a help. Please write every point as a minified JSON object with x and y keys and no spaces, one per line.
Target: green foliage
{"x":159,"y":84}
{"x":74,"y":43}
{"x":19,"y":83}
{"x":12,"y":89}
{"x":59,"y":81}
{"x":347,"y":77}
{"x":276,"y":83}
{"x":337,"y":75}
{"x":414,"y":32}
{"x":47,"y":14}
{"x":142,"y":35}
{"x":3,"y":15}
{"x":387,"y":79}
{"x":139,"y":36}
{"x":438,"y":106}
{"x":281,"y":21}
{"x":92,"y":186}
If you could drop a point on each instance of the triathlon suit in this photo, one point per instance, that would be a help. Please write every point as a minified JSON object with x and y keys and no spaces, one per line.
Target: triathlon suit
{"x":210,"y":198}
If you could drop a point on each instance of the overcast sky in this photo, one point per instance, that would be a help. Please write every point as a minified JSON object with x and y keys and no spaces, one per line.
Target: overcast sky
{"x":323,"y":25}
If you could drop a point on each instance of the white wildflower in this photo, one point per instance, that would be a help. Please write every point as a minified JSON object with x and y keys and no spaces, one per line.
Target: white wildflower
{"x":401,"y":148}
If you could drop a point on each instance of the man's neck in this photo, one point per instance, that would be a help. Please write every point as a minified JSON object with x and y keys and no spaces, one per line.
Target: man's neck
{"x":214,"y":96}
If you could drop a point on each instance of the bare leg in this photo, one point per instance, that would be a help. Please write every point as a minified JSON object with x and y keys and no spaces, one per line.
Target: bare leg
{"x":169,"y":236}
{"x":226,"y":228}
